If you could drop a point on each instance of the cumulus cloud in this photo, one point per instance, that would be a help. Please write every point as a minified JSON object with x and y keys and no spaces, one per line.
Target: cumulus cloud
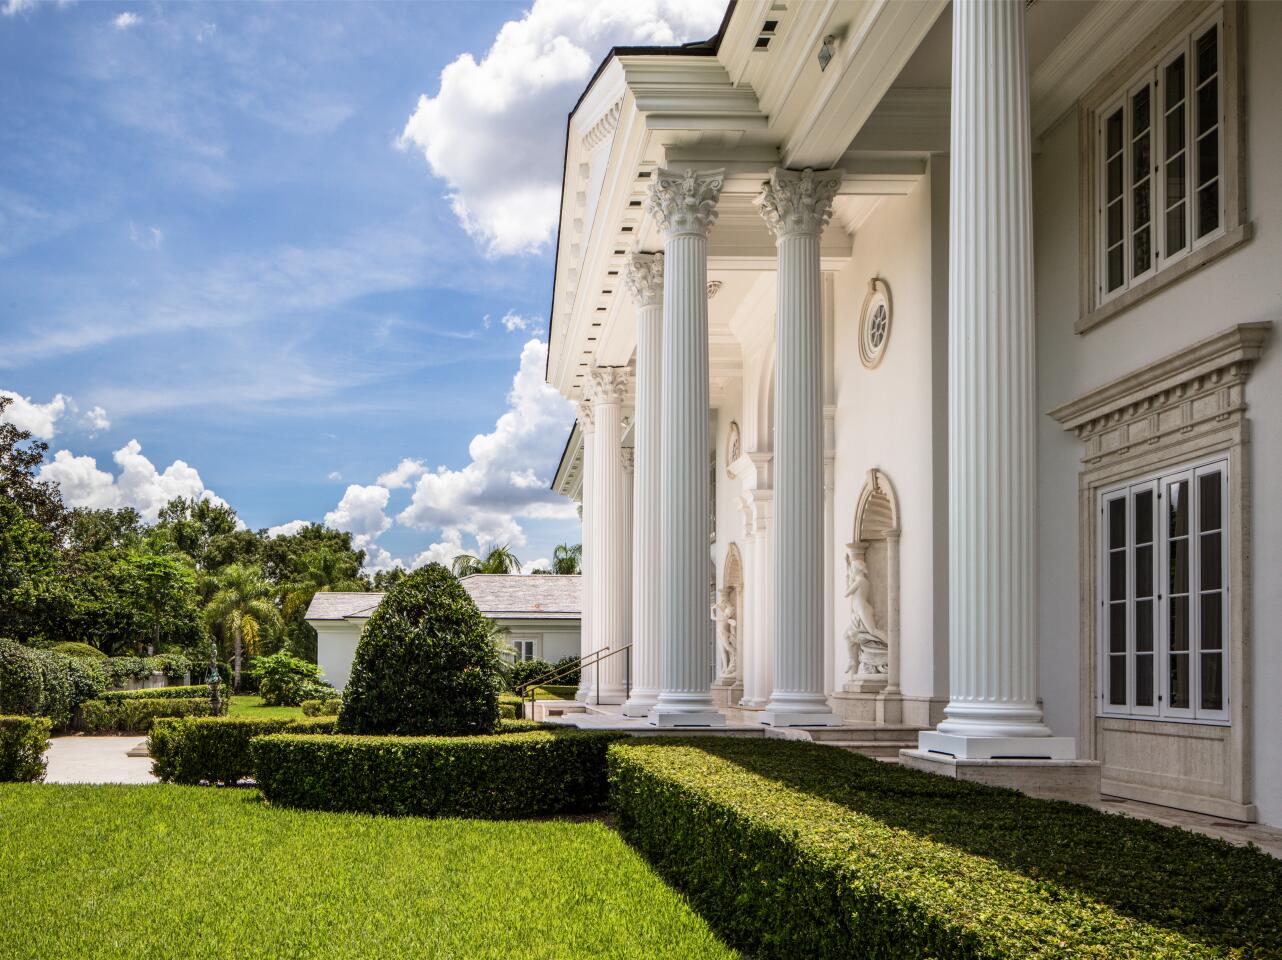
{"x":96,"y":419}
{"x":334,"y":475}
{"x":40,"y":418}
{"x":139,"y":484}
{"x":449,"y":547}
{"x":401,"y":474}
{"x":126,"y":20}
{"x":360,"y":513}
{"x":514,"y":321}
{"x":543,"y":563}
{"x":486,"y":132}
{"x":502,"y":483}
{"x":286,"y":529}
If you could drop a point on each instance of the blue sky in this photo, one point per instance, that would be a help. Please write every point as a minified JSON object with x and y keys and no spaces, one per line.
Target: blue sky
{"x":273,"y":251}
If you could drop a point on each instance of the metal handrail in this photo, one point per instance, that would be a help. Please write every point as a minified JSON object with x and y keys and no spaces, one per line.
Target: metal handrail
{"x":593,"y":659}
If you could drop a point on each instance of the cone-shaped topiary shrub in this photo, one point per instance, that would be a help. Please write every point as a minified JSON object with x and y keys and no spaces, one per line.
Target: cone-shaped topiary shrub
{"x":425,"y":663}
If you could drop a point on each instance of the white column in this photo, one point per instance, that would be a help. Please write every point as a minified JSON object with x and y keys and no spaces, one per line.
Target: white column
{"x":684,"y":206}
{"x":645,"y":280}
{"x":797,"y":206}
{"x":627,"y":457}
{"x":758,"y":650}
{"x":993,"y":709}
{"x":587,"y":638}
{"x":609,"y":585}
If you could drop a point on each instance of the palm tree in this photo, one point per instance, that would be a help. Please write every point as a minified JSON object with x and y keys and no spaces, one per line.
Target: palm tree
{"x":566,"y":559}
{"x":242,"y":603}
{"x":317,"y":571}
{"x":499,"y":560}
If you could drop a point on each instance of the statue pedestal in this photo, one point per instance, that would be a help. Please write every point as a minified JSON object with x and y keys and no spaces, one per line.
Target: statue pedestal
{"x":865,"y":700}
{"x":727,"y":692}
{"x":865,"y":683}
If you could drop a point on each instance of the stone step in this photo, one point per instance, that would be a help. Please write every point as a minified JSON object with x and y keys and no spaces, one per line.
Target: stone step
{"x":879,"y":749}
{"x":870,"y":731}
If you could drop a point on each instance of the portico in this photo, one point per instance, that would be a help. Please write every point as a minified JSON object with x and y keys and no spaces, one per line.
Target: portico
{"x":806,"y":246}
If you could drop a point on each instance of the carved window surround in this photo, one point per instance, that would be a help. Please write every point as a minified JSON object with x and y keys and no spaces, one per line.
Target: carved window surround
{"x":1176,"y":410}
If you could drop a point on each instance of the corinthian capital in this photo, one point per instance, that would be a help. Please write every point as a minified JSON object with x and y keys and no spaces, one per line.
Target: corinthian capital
{"x":584,"y":410}
{"x":798,"y":202}
{"x":627,"y":455}
{"x":644,"y":276}
{"x":608,"y":384}
{"x":685,"y":202}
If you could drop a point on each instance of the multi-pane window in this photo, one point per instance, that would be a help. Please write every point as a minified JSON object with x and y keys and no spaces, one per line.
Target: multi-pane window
{"x":1161,"y":162}
{"x":524,"y":649}
{"x":1163,"y":589}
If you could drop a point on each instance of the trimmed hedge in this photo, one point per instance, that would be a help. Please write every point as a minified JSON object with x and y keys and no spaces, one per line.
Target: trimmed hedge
{"x":135,"y":715}
{"x":194,"y":750}
{"x":322,"y":708}
{"x":799,"y":850}
{"x":194,"y":692}
{"x":23,"y":741}
{"x":42,"y":683}
{"x":74,"y":648}
{"x":497,"y":777}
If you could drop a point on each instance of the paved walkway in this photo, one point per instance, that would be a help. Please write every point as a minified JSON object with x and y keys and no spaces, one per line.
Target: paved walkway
{"x":97,"y":760}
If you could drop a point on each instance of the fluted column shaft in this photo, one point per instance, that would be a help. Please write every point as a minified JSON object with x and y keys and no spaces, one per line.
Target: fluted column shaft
{"x":991,"y":381}
{"x":587,"y":636}
{"x":645,"y":280}
{"x":797,"y":206}
{"x":685,"y":208}
{"x":610,"y":615}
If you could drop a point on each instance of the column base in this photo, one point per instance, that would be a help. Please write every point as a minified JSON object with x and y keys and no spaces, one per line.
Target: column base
{"x":799,"y":710}
{"x":1075,"y":780}
{"x":691,"y":718}
{"x":962,"y":747}
{"x":612,"y":696}
{"x":640,"y":703}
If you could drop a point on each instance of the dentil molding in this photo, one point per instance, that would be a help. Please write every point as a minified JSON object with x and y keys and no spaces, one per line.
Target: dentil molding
{"x":685,"y":202}
{"x":798,"y":202}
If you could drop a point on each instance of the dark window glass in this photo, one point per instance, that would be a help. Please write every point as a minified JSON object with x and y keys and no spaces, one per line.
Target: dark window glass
{"x":1208,"y":157}
{"x":1175,"y":236}
{"x":1144,"y":517}
{"x":1115,"y":176}
{"x":1177,"y":509}
{"x":1144,"y":625}
{"x":1144,"y":571}
{"x":1210,"y":568}
{"x":1144,"y":681}
{"x":1143,"y":253}
{"x":1208,"y":208}
{"x":1212,"y":621}
{"x":1139,"y":111}
{"x":1175,"y":81}
{"x":1117,"y":627}
{"x":1113,"y":133}
{"x":1175,"y":131}
{"x":1114,"y":222}
{"x":1178,"y":582}
{"x":1212,"y":681}
{"x":1117,"y":575}
{"x":1117,"y":523}
{"x":1117,"y":681}
{"x":1208,"y":106}
{"x":1179,"y":635}
{"x":1208,"y":501}
{"x":1115,"y":267}
{"x":1180,"y":681}
{"x":1207,"y":54}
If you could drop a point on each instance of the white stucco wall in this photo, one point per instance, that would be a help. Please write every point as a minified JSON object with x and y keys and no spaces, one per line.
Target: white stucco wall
{"x":1245,"y":285}
{"x":886,"y":418}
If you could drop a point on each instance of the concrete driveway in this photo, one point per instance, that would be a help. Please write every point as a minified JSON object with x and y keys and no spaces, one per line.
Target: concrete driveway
{"x":97,"y":760}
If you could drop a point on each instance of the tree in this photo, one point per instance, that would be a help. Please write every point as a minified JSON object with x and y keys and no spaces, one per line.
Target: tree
{"x":499,"y":560}
{"x":163,"y":591}
{"x":243,"y":600}
{"x":193,"y":527}
{"x":384,"y":580}
{"x":567,"y":559}
{"x":33,"y":598}
{"x":425,"y":663}
{"x":20,"y":459}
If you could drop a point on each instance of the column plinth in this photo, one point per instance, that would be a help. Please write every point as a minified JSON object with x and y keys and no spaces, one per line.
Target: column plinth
{"x":797,"y":206}
{"x":645,"y":281}
{"x":992,"y":405}
{"x":684,"y":205}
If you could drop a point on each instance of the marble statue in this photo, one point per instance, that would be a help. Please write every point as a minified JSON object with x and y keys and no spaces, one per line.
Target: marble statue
{"x":724,"y":616}
{"x":866,"y":642}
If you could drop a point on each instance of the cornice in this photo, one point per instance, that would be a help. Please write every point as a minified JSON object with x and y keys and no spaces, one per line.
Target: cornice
{"x":1203,"y":381}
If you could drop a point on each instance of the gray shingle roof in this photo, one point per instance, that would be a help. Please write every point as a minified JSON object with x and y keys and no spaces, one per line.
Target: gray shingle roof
{"x":508,"y":596}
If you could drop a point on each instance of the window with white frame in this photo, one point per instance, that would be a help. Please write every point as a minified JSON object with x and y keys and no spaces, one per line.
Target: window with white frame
{"x":524,"y":648}
{"x":1160,"y":162}
{"x":1163,"y":595}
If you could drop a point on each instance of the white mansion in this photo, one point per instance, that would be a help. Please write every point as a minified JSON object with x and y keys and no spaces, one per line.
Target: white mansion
{"x":923,"y":366}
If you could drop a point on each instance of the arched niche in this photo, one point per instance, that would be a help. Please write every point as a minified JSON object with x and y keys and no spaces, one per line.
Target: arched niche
{"x":872,"y":589}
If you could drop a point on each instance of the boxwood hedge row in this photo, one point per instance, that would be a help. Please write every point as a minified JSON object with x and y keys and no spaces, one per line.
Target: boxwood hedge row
{"x":136,"y":714}
{"x":506,"y":775}
{"x":195,"y":692}
{"x":194,"y":750}
{"x":23,"y":741}
{"x":798,"y":850}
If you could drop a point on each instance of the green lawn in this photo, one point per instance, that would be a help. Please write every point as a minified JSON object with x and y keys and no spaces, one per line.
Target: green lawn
{"x":251,"y":705}
{"x":161,"y":872}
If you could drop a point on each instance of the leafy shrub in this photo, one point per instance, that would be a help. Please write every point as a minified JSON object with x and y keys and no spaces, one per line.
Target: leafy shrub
{"x":175,"y":666}
{"x":322,"y":708}
{"x":425,"y":663}
{"x":570,"y":663}
{"x":21,"y":680}
{"x":75,"y":649}
{"x":57,"y":695}
{"x":193,"y":692}
{"x":135,"y":714}
{"x":23,"y":741}
{"x":194,"y":750}
{"x":285,"y":680}
{"x":494,"y":777}
{"x":87,"y":677}
{"x":799,"y":850}
{"x":120,"y":670}
{"x":525,"y":671}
